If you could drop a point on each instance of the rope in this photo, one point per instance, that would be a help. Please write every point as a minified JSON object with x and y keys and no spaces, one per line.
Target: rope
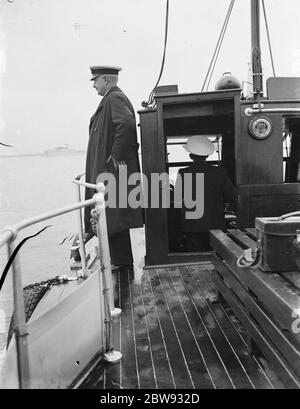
{"x":218,"y":46}
{"x":244,"y":262}
{"x":287,"y":215}
{"x":12,"y":257}
{"x":150,"y":101}
{"x":268,"y":35}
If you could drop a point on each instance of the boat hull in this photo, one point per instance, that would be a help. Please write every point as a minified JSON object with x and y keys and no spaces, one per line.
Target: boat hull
{"x":63,"y":338}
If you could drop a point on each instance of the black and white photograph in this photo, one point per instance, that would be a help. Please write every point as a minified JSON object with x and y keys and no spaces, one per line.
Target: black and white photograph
{"x":149,"y":197}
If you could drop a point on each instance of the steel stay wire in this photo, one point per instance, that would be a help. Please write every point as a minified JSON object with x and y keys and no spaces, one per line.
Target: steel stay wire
{"x":151,"y":96}
{"x":219,"y":43}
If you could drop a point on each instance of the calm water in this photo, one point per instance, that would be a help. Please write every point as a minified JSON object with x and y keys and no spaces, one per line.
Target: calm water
{"x":30,"y":186}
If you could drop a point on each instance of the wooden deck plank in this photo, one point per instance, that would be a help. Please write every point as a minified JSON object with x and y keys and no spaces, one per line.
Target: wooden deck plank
{"x":251,"y":232}
{"x":129,"y":372}
{"x":264,"y":367}
{"x":247,"y":365}
{"x":197,"y":367}
{"x":95,"y":380}
{"x":242,"y":239}
{"x":171,"y":337}
{"x":162,"y":370}
{"x":112,"y":372}
{"x":143,"y":347}
{"x":218,"y":372}
{"x":193,"y":279}
{"x":293,"y":277}
{"x":179,"y":368}
{"x":251,"y":368}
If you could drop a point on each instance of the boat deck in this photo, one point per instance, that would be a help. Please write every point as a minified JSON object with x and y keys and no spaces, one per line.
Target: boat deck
{"x":174,"y":333}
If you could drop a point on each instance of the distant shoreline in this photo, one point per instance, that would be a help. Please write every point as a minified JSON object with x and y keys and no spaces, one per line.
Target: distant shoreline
{"x":43,"y":154}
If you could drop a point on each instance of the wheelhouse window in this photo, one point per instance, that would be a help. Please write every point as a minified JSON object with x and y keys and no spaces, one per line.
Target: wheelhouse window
{"x":291,"y":149}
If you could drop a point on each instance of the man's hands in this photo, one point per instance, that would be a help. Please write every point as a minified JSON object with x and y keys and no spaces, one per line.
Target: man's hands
{"x":117,"y":164}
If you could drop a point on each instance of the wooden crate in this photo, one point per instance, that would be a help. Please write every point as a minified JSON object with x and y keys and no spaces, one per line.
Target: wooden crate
{"x":279,"y":251}
{"x":265,"y":303}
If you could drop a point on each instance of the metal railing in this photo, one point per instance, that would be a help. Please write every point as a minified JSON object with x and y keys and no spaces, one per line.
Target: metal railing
{"x":252,"y":111}
{"x":8,"y":236}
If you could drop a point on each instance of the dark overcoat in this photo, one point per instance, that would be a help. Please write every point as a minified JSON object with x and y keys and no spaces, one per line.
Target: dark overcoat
{"x":218,"y":190}
{"x":112,"y":131}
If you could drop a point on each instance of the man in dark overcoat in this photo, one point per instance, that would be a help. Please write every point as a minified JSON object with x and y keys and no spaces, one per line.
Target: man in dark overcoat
{"x":214,"y":188}
{"x":113,"y":146}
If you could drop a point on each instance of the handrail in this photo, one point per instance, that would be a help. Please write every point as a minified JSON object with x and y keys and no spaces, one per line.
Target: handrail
{"x":7,"y":237}
{"x":90,"y":185}
{"x":11,"y":232}
{"x":82,"y":252}
{"x":251,"y":111}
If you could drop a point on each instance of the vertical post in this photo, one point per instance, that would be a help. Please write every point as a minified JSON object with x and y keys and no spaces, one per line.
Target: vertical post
{"x":102,"y":310}
{"x":256,"y":51}
{"x":111,"y":312}
{"x":80,"y":235}
{"x":104,"y":249}
{"x":20,"y":322}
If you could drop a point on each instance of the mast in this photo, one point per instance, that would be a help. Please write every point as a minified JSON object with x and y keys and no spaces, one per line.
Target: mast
{"x":256,"y":52}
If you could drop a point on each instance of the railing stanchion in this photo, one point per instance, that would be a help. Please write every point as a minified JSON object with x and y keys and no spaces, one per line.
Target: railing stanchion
{"x":111,"y":312}
{"x":102,"y":310}
{"x":104,"y":249}
{"x":80,"y":236}
{"x":21,"y":333}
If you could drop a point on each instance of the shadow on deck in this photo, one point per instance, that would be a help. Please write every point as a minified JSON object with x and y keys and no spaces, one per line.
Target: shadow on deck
{"x":174,"y":333}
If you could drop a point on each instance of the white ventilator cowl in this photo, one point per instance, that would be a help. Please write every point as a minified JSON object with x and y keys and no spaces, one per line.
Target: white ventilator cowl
{"x":199,"y":145}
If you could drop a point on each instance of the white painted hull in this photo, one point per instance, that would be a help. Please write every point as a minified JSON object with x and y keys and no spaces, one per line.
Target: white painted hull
{"x":63,"y":338}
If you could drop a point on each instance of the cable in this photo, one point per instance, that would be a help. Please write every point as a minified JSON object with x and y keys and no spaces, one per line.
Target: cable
{"x":268,"y":35}
{"x":150,"y":101}
{"x":12,"y":257}
{"x":219,"y":42}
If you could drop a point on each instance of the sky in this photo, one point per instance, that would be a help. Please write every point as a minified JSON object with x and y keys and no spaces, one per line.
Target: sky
{"x":47,"y":46}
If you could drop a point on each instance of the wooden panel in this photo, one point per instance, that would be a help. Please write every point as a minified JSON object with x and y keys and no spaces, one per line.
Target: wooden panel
{"x":199,"y":96}
{"x":242,"y":239}
{"x":266,"y":201}
{"x":283,"y":87}
{"x":252,"y":166}
{"x":281,"y":368}
{"x":270,"y":289}
{"x":155,"y":224}
{"x":250,"y":368}
{"x":277,"y":337}
{"x":186,"y":110}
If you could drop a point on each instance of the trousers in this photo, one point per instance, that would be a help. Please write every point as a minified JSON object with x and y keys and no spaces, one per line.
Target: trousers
{"x":120,"y":248}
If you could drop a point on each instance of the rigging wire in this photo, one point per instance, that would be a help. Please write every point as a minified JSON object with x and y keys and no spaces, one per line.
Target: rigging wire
{"x":268,"y":35}
{"x":218,"y":46}
{"x":150,"y":101}
{"x":13,"y":255}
